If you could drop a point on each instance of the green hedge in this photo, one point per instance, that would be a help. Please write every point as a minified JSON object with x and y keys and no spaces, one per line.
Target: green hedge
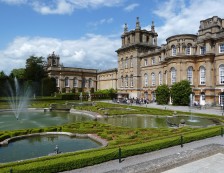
{"x":90,"y":157}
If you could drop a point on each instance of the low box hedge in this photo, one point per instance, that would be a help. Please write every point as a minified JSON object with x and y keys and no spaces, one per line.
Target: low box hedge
{"x":90,"y":157}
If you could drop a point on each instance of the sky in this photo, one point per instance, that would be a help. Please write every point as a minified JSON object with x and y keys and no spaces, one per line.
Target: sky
{"x":86,"y":33}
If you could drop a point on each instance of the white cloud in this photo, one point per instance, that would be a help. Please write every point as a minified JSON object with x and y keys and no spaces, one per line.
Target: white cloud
{"x":64,"y":6}
{"x":91,"y":51}
{"x":14,"y":2}
{"x":131,"y":7}
{"x":101,"y":22}
{"x":183,"y":17}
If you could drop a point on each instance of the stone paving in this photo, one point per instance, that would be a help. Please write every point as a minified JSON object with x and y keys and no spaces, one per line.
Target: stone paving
{"x":170,"y":160}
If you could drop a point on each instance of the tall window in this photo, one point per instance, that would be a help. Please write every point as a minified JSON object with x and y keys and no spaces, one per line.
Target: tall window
{"x":90,"y":83}
{"x":131,"y":81}
{"x":66,"y":82}
{"x":160,"y":78}
{"x":202,"y":75}
{"x":57,"y":81}
{"x":146,"y":79}
{"x":126,"y":81}
{"x":166,"y":77}
{"x":221,"y":74}
{"x":173,"y":75}
{"x":188,"y":49}
{"x":131,"y":62}
{"x":75,"y":82}
{"x":160,"y":59}
{"x":190,"y":75}
{"x":122,"y":81}
{"x":126,"y":63}
{"x":122,"y":65}
{"x":145,"y":62}
{"x":202,"y":50}
{"x":153,"y":79}
{"x":221,"y":48}
{"x":153,"y":61}
{"x":174,"y":50}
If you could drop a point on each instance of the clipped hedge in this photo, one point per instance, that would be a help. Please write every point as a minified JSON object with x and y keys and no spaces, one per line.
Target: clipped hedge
{"x":90,"y":157}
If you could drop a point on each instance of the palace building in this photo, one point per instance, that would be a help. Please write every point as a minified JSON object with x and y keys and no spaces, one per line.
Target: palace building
{"x":143,"y":65}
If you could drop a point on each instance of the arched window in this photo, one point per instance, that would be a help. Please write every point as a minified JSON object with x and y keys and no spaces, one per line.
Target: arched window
{"x":75,"y":82}
{"x":160,"y":78}
{"x":66,"y":82}
{"x":131,"y":81}
{"x":57,"y":81}
{"x":190,"y":75}
{"x":126,"y":81}
{"x":188,"y":50}
{"x":221,"y":74}
{"x":122,"y":81}
{"x":146,"y":79}
{"x":202,"y":75}
{"x":153,"y":79}
{"x":131,"y":62}
{"x":173,"y":75}
{"x":166,"y":77}
{"x":174,"y":50}
{"x":126,"y":63}
{"x":122,"y":65}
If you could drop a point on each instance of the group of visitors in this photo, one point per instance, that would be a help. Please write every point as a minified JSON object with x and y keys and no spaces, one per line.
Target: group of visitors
{"x":133,"y":100}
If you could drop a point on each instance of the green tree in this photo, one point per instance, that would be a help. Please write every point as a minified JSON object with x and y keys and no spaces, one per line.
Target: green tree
{"x":3,"y":79}
{"x":35,"y":72}
{"x":162,"y":94}
{"x":180,"y":93}
{"x":48,"y":86}
{"x":18,"y":73}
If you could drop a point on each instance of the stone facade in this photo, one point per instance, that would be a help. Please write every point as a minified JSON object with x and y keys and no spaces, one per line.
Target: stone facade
{"x":107,"y":79}
{"x":142,"y":65}
{"x":70,"y":78}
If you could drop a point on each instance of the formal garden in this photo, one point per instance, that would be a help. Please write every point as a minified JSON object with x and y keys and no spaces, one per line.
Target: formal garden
{"x":142,"y":129}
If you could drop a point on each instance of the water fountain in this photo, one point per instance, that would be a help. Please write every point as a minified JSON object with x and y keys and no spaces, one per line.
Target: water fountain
{"x":190,"y":109}
{"x":18,"y":98}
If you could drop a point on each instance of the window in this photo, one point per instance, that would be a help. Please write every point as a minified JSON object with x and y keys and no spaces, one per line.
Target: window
{"x":166,"y":77}
{"x":90,"y":83}
{"x":221,"y":74}
{"x":153,"y":61}
{"x":122,"y":81}
{"x":202,"y":75}
{"x":131,"y":81}
{"x":160,"y":59}
{"x":122,"y":65}
{"x":131,"y":62}
{"x":153,"y":79}
{"x":202,"y":50}
{"x":126,"y":63}
{"x":188,"y":49}
{"x":145,"y":62}
{"x":160,"y":78}
{"x":66,"y":82}
{"x":173,"y":75}
{"x":146,"y":79}
{"x":75,"y":82}
{"x":221,"y":48}
{"x":57,"y":82}
{"x":174,"y":50}
{"x":126,"y":81}
{"x":190,"y":75}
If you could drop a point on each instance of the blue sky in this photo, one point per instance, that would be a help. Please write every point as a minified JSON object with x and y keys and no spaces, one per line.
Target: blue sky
{"x":86,"y":33}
